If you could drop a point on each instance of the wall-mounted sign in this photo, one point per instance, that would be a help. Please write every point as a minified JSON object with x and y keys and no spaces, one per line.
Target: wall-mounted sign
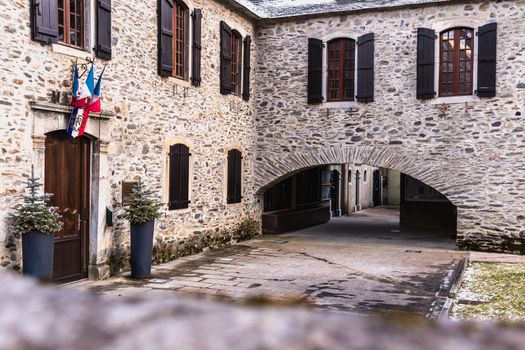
{"x":127,"y":188}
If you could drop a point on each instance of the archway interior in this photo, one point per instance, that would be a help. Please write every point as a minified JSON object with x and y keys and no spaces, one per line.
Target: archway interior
{"x":363,"y":193}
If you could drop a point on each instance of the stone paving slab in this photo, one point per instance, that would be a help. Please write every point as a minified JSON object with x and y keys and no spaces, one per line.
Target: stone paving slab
{"x":350,"y":265}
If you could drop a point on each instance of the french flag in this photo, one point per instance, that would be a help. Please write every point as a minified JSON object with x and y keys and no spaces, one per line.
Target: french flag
{"x":80,"y":101}
{"x":95,"y":103}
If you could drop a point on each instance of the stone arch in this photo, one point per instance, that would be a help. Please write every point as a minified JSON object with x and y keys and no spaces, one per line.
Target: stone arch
{"x":278,"y":167}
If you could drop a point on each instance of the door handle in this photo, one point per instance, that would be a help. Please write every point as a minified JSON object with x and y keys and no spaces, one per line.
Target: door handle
{"x":78,"y":221}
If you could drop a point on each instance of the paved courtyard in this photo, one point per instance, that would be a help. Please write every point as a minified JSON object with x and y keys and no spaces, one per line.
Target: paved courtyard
{"x":359,"y":264}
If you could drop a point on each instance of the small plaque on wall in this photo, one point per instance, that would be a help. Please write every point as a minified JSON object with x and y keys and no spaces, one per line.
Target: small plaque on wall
{"x":127,"y":188}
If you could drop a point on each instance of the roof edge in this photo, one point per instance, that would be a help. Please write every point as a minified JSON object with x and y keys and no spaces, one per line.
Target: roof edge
{"x":270,"y":20}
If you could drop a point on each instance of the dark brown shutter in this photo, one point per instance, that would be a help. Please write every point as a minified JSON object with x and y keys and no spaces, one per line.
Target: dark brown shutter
{"x":365,"y":68}
{"x":315,"y":71}
{"x":103,"y":48}
{"x":197,"y":48}
{"x":226,"y":59}
{"x":238,"y":177}
{"x":165,"y":37}
{"x":234,"y":176}
{"x":246,"y":68}
{"x":44,"y":21}
{"x":425,"y":63}
{"x":487,"y":41}
{"x":179,"y":177}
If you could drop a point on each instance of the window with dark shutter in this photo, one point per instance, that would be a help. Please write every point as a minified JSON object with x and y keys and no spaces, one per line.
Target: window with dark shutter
{"x":425,"y":63}
{"x":246,"y":68}
{"x":173,"y":39}
{"x":315,"y":71}
{"x":103,"y":48}
{"x":179,"y":174}
{"x":487,"y":41}
{"x":365,"y":68}
{"x":44,"y":21}
{"x":197,"y":48}
{"x":234,"y":191}
{"x":456,"y":62}
{"x":226,"y":59}
{"x":341,"y":70}
{"x":165,"y":38}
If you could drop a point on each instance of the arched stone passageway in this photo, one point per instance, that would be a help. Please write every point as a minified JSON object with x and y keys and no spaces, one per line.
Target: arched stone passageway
{"x":476,"y":223}
{"x":274,"y":169}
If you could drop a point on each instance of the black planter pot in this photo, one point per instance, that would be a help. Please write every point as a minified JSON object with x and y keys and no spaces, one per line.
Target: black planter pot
{"x":37,"y":253}
{"x":141,"y":249}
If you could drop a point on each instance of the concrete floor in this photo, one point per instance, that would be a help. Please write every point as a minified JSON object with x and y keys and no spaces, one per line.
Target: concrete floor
{"x":363,"y":263}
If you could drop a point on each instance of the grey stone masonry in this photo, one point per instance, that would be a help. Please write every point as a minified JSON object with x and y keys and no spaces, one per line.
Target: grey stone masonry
{"x":143,"y":114}
{"x":470,"y":149}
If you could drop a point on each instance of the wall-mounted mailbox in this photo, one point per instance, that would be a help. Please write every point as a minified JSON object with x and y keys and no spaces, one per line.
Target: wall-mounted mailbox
{"x":109,"y":217}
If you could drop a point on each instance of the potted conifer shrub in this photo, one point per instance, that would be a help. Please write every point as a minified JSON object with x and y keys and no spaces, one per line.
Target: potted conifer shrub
{"x":141,"y":213}
{"x":37,"y":223}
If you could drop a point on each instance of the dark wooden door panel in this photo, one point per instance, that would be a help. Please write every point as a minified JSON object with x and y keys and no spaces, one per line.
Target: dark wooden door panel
{"x":67,"y":177}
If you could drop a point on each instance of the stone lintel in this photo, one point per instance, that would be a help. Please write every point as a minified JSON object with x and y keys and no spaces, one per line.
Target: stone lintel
{"x":58,"y":108}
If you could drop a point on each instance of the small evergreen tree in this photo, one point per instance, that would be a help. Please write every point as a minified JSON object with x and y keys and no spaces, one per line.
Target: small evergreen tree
{"x":143,"y":207}
{"x":34,"y":214}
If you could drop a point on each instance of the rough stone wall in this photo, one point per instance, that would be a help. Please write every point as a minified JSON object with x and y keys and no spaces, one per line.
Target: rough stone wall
{"x":366,"y":188}
{"x":472,"y":153}
{"x":150,"y":111}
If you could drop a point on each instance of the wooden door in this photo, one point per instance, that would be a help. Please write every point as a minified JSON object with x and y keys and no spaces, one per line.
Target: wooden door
{"x":67,"y":175}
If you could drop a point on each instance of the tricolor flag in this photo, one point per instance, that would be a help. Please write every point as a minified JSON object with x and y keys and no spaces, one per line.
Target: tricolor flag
{"x":86,"y":89}
{"x":94,"y":103}
{"x":81,"y":95}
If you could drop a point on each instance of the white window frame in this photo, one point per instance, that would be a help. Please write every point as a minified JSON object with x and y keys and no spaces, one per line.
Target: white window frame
{"x":325,"y":40}
{"x":90,"y":13}
{"x":439,"y":27}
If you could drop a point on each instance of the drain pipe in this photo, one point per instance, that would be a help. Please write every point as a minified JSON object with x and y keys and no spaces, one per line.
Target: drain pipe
{"x":357,"y":190}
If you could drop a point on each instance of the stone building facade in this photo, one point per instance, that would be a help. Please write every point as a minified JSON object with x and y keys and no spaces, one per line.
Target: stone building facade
{"x":470,"y":149}
{"x":143,"y":114}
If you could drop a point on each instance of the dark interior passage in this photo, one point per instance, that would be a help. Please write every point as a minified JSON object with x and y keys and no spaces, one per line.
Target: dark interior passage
{"x":316,"y":195}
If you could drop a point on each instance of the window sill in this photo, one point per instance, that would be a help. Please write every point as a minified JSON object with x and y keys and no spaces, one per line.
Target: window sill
{"x":177,"y":211}
{"x":179,"y":81}
{"x":234,"y":204}
{"x":455,"y":99}
{"x":345,"y":104}
{"x":69,"y":51}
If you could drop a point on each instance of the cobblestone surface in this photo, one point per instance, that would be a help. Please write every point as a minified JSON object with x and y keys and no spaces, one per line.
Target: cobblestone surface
{"x":358,"y":264}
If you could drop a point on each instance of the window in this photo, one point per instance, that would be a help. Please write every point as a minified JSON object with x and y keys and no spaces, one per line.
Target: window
{"x":457,"y":59}
{"x":179,"y":175}
{"x":341,"y":70}
{"x":279,"y":197}
{"x":236,"y":50}
{"x":71,"y":22}
{"x":416,"y":190}
{"x":365,"y":176}
{"x":308,"y":187}
{"x":234,"y":194}
{"x":349,"y":176}
{"x":231,"y":77}
{"x":180,"y":25}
